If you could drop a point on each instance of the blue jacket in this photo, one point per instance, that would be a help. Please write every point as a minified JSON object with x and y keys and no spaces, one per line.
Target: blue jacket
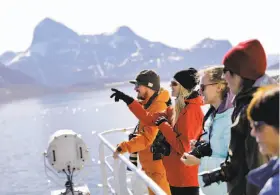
{"x":219,"y":144}
{"x":220,"y":125}
{"x":266,"y":177}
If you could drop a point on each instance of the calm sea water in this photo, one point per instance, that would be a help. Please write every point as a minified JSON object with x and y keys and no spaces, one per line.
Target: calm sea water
{"x":26,"y":126}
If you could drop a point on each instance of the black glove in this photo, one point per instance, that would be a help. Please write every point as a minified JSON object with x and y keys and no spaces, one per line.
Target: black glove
{"x":121,"y":96}
{"x":160,"y":120}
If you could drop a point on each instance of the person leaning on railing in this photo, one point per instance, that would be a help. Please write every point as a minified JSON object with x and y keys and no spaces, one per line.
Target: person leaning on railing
{"x":153,"y":99}
{"x":178,"y":129}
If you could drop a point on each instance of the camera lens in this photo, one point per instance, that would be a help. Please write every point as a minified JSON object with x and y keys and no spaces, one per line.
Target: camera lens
{"x":211,"y":177}
{"x":202,"y":149}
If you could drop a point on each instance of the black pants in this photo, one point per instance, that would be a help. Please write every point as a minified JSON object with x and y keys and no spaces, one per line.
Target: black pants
{"x":184,"y":190}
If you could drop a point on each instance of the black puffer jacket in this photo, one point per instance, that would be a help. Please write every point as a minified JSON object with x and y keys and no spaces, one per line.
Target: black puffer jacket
{"x":244,"y":154}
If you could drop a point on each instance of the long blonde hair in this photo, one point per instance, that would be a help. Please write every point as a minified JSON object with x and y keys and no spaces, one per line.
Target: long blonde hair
{"x":180,"y":102}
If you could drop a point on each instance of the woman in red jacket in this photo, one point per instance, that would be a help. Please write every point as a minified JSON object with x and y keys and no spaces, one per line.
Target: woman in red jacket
{"x":187,"y":120}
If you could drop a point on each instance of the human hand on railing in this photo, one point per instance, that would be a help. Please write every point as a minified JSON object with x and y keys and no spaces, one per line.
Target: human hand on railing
{"x":190,"y":160}
{"x":117,"y":152}
{"x":118,"y":95}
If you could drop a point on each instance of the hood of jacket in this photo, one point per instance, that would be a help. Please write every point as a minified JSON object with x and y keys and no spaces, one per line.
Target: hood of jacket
{"x":226,"y":103}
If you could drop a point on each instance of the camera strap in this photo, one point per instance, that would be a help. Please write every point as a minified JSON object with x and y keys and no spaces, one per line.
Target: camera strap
{"x":213,"y":114}
{"x":150,"y":101}
{"x":207,"y":115}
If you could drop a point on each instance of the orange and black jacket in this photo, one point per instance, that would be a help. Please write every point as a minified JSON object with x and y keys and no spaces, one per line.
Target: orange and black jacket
{"x":146,"y":135}
{"x":187,"y":127}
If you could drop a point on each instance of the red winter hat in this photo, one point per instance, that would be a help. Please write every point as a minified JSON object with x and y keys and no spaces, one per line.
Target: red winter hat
{"x":247,"y":59}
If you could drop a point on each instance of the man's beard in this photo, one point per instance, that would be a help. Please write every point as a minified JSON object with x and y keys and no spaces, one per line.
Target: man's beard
{"x":139,"y":97}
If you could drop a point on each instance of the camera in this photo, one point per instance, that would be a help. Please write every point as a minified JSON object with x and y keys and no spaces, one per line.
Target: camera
{"x":131,"y":135}
{"x":224,"y":173}
{"x":133,"y":156}
{"x":202,"y":148}
{"x":160,"y":147}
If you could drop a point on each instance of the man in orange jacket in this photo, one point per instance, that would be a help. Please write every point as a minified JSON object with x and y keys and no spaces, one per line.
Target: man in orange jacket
{"x":154,"y":99}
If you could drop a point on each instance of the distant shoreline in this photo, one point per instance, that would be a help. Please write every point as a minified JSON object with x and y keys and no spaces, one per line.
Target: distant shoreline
{"x":20,"y":93}
{"x":23,"y":92}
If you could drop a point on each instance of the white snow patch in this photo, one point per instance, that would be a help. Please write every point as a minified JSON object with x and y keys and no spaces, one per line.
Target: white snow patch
{"x":19,"y":57}
{"x":175,"y":58}
{"x":123,"y":63}
{"x":137,"y":45}
{"x":138,"y":49}
{"x":100,"y":70}
{"x":205,"y":44}
{"x":135,"y":54}
{"x":158,"y":63}
{"x":208,"y":45}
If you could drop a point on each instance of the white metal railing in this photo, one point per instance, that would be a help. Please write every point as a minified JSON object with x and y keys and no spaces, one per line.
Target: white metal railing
{"x":119,"y":169}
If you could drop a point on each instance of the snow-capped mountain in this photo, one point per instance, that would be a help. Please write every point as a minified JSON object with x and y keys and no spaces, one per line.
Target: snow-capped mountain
{"x":6,"y":57}
{"x":14,"y":77}
{"x":58,"y":56}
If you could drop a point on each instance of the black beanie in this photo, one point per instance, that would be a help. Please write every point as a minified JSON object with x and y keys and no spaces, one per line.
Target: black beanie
{"x":187,"y":78}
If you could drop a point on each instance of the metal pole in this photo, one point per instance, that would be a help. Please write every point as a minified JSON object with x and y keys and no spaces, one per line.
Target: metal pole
{"x":103,"y":168}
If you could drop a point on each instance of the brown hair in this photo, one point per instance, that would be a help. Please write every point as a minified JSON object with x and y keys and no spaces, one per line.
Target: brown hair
{"x":215,"y":75}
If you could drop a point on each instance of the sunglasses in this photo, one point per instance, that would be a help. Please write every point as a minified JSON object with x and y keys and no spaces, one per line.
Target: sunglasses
{"x":174,"y":83}
{"x":202,"y":86}
{"x":225,"y":70}
{"x":137,"y":85}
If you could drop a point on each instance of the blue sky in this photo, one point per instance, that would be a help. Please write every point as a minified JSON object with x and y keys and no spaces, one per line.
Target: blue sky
{"x":175,"y":23}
